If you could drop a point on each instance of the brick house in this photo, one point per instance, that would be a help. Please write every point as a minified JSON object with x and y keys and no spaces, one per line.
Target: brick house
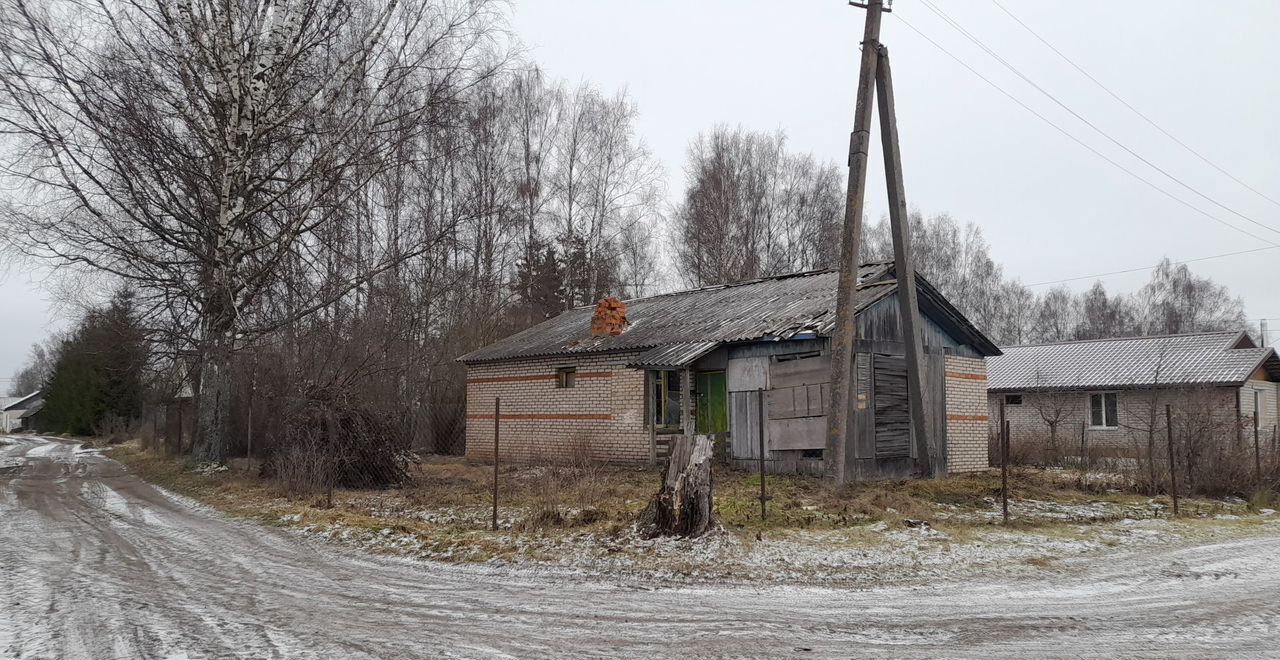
{"x":1114,"y":391}
{"x":748,"y":362}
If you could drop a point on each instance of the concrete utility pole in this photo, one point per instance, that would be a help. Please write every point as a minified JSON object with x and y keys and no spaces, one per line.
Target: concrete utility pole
{"x":1264,"y":333}
{"x":842,"y":461}
{"x":842,"y":412}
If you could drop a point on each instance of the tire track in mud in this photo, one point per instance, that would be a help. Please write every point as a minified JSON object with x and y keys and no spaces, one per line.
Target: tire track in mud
{"x":95,"y":563}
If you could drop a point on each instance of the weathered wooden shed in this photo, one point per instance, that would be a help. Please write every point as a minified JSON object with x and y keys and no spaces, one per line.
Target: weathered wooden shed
{"x":748,"y":362}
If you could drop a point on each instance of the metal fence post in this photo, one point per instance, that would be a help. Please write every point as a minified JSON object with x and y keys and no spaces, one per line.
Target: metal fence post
{"x":497,"y":417}
{"x":1173,"y":460}
{"x":760,"y":423}
{"x":1257,"y":445}
{"x":1004,"y":473}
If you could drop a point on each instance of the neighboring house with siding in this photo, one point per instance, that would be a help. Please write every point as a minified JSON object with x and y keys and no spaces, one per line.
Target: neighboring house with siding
{"x":15,"y":410}
{"x":1115,"y":390}
{"x":721,"y":360}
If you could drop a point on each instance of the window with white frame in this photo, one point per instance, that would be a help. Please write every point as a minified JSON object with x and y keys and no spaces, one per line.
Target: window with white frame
{"x":1102,"y":410}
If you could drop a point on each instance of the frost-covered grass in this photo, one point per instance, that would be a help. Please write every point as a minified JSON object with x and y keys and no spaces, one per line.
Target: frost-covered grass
{"x":578,"y":519}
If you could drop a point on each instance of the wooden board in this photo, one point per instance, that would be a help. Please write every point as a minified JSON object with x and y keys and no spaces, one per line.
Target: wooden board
{"x":747,"y":374}
{"x":797,"y":433}
{"x":799,"y":401}
{"x":801,"y":371}
{"x":744,"y":425}
{"x":892,"y":410}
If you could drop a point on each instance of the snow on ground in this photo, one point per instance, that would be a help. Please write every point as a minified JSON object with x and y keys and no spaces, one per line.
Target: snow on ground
{"x":83,"y":575}
{"x":878,"y":552}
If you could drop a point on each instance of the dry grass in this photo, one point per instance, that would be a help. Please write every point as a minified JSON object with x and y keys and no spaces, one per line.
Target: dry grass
{"x":446,"y":511}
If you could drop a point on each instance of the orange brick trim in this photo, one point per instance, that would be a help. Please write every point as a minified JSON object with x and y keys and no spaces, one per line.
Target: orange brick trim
{"x":956,"y":374}
{"x":558,"y":418}
{"x":966,"y":418}
{"x":529,"y":377}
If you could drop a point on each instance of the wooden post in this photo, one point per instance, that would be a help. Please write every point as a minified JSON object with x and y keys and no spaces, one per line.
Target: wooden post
{"x":651,"y":413}
{"x":497,"y":425}
{"x":760,"y":432}
{"x":1173,"y":458}
{"x":903,"y":262}
{"x":840,"y":425}
{"x":687,"y":422}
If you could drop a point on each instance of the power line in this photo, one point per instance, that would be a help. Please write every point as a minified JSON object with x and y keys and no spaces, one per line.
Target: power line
{"x":1142,"y":268}
{"x":978,"y":42}
{"x":1078,"y":141}
{"x":1126,"y":104}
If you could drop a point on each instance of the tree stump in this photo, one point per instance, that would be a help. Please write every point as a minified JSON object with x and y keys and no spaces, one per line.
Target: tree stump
{"x":682,"y":507}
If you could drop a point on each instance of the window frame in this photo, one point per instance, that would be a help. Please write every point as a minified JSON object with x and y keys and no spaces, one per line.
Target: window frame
{"x":1107,"y":423}
{"x":566,"y":377}
{"x":666,"y":392}
{"x":1021,"y":399}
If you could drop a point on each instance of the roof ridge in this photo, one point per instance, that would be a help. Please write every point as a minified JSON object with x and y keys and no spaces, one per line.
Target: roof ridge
{"x":1231,"y":333}
{"x":757,"y":280}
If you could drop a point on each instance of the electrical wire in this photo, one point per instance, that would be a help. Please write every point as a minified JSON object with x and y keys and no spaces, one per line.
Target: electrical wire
{"x":1077,"y":140}
{"x":1142,"y":268}
{"x":978,"y":42}
{"x":1130,"y":106}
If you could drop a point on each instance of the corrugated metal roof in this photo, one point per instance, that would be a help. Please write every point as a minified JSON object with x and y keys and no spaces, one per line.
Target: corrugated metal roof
{"x":20,"y":403}
{"x":1190,"y":359}
{"x":770,"y":308}
{"x":673,"y":355}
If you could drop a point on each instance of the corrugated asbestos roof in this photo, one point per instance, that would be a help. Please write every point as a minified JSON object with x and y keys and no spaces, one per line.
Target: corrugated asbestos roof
{"x":1191,"y":359}
{"x":673,"y":355}
{"x":684,"y":322}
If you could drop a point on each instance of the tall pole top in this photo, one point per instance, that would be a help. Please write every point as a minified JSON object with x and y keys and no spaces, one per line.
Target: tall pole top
{"x":885,"y":5}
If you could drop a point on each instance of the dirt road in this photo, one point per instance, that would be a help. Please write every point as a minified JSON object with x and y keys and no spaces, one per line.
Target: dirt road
{"x":95,"y":563}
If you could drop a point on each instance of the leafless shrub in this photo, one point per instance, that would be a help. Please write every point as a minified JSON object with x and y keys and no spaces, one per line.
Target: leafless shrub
{"x":302,"y":469}
{"x":338,"y":443}
{"x":115,"y":429}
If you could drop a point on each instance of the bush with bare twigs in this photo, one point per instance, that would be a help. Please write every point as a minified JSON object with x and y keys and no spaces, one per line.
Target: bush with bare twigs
{"x":331,"y":441}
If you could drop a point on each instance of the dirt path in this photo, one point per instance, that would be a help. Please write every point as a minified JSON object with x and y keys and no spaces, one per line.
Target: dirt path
{"x":95,"y":563}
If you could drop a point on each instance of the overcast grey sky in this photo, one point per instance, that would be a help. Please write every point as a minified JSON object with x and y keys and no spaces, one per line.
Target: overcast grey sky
{"x":1049,"y":208}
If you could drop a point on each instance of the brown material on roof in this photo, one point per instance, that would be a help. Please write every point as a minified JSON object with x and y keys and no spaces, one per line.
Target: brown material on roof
{"x":610,"y":318}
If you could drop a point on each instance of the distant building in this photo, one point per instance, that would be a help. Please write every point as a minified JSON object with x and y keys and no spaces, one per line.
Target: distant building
{"x":617,"y":381}
{"x":14,"y":410}
{"x":1115,"y":390}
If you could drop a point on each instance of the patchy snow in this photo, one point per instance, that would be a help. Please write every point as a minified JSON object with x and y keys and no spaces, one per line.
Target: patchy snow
{"x":202,"y":585}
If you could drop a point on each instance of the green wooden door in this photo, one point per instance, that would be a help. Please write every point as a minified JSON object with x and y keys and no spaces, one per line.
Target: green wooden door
{"x":713,"y":403}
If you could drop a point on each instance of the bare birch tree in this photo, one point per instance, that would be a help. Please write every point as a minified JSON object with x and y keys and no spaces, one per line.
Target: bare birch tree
{"x":194,"y":149}
{"x":751,"y":209}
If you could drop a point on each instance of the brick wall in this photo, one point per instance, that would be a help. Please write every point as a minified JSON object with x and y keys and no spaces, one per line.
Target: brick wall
{"x":966,"y":414}
{"x":600,"y":418}
{"x":1269,"y":400}
{"x":1134,"y":411}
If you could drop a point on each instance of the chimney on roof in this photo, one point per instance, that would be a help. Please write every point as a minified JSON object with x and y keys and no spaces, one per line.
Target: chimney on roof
{"x":609,"y":319}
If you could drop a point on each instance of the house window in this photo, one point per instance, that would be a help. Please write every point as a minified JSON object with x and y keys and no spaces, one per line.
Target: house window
{"x":566,"y":377}
{"x":1013,"y":399}
{"x":665,"y":398}
{"x":1102,"y":410}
